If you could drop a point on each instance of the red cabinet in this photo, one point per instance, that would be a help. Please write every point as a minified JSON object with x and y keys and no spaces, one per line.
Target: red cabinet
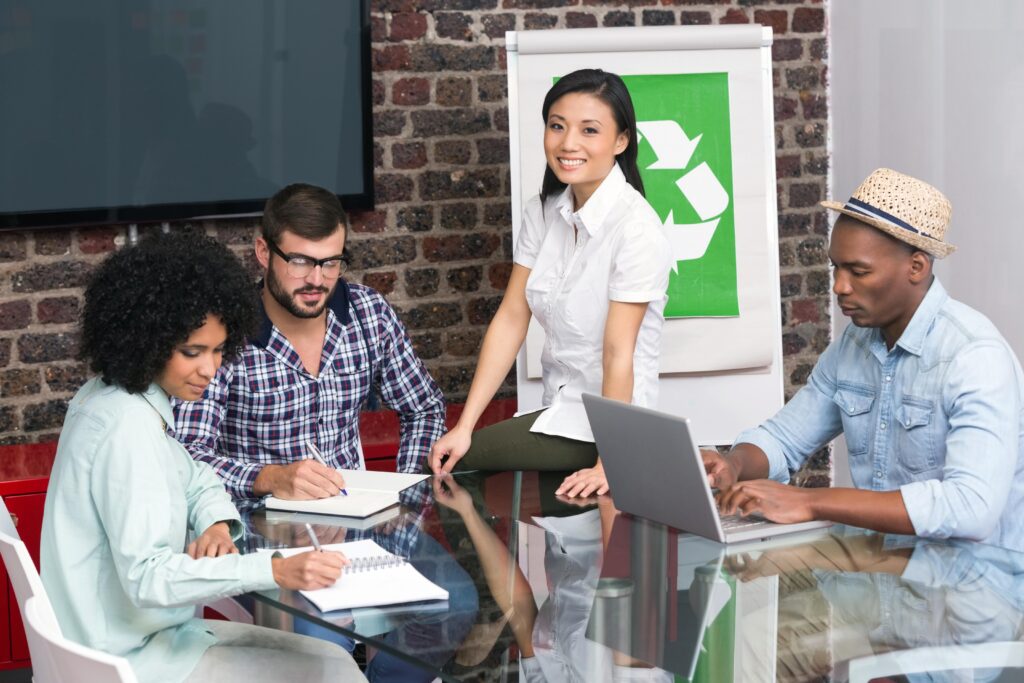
{"x":24,"y":474}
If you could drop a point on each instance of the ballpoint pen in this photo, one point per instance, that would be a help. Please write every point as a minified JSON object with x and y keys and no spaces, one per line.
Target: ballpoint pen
{"x":312,"y":537}
{"x":319,"y":457}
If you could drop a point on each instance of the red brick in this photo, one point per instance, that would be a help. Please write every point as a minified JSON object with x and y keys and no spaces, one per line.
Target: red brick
{"x":382,"y":282}
{"x":97,"y":240}
{"x":808,"y":20}
{"x":785,"y":107}
{"x":15,"y":315}
{"x":498,"y":275}
{"x":62,"y":309}
{"x":408,"y":26}
{"x":368,"y":221}
{"x":410,"y":91}
{"x":778,"y":19}
{"x":407,"y":155}
{"x":580,"y":20}
{"x":735,"y":15}
{"x":391,"y":58}
{"x":787,"y":166}
{"x":694,"y":18}
{"x":804,"y":311}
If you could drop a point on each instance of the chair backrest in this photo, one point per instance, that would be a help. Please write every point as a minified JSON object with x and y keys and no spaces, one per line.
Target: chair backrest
{"x":68,"y":661}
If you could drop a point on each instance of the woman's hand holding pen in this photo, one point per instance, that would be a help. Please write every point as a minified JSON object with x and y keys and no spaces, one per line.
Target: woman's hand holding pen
{"x":308,"y":571}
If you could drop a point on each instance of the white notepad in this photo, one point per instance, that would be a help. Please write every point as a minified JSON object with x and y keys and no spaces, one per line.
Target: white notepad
{"x":398,"y":582}
{"x":368,"y":493}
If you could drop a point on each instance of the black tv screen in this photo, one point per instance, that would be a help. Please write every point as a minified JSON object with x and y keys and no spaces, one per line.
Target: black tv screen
{"x":115,"y":111}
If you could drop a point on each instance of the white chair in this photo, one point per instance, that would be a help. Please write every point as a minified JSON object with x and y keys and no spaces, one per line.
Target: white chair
{"x":27,"y":585}
{"x":68,"y":661}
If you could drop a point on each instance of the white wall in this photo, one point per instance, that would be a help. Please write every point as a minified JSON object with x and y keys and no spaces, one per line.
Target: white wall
{"x":935,"y":89}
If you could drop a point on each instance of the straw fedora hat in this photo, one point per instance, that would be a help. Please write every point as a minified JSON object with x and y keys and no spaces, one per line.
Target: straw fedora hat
{"x":906,"y":208}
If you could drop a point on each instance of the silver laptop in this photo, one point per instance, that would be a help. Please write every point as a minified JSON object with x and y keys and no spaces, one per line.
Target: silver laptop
{"x":655,"y":471}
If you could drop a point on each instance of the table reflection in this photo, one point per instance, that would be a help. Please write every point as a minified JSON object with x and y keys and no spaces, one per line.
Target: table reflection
{"x":550,"y":589}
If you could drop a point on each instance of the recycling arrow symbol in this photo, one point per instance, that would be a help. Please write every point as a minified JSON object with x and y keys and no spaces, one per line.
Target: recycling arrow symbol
{"x":700,"y":187}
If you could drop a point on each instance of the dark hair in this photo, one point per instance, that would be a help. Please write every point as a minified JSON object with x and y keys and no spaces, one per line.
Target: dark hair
{"x":309,"y":211}
{"x":610,"y":89}
{"x":145,"y":299}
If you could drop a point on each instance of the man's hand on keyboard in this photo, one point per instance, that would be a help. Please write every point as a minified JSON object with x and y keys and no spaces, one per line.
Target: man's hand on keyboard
{"x":776,"y":502}
{"x":721,"y":473}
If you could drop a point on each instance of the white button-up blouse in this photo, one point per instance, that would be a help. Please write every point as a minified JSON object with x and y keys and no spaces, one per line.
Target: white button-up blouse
{"x":618,"y":252}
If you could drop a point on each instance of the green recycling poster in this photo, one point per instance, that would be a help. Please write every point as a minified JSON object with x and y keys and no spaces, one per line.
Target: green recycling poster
{"x":685,"y":159}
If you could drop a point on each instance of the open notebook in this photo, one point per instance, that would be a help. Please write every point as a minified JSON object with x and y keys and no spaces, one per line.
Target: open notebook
{"x":368,"y":493}
{"x":375,"y":577}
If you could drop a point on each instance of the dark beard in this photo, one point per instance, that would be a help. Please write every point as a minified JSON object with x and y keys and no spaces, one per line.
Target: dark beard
{"x":288,"y":302}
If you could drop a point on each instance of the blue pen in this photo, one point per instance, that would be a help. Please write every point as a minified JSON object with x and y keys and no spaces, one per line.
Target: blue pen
{"x":320,"y":458}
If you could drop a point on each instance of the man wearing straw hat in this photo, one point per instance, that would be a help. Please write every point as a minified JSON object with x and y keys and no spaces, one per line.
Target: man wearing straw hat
{"x":926,"y":391}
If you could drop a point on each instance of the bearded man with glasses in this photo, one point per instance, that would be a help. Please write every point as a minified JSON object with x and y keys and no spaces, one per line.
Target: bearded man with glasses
{"x":323,"y":347}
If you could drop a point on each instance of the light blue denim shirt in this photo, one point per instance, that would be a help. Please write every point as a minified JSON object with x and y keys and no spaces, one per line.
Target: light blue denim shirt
{"x":939,"y":417}
{"x":122,"y":497}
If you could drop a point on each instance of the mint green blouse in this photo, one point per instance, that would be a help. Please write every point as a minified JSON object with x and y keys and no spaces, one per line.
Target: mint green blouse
{"x":122,"y":498}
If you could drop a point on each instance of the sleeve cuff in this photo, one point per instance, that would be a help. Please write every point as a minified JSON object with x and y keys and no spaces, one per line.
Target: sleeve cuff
{"x":778,"y":469}
{"x":525,"y":261}
{"x":220,"y":511}
{"x":258,"y":571}
{"x":918,"y":499}
{"x":635,"y":296}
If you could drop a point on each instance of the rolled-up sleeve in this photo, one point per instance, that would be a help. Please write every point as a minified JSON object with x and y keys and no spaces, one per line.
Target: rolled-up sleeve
{"x":805,"y":424}
{"x":981,"y":448}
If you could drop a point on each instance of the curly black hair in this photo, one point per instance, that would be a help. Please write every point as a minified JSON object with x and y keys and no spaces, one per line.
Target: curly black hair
{"x":146,"y":299}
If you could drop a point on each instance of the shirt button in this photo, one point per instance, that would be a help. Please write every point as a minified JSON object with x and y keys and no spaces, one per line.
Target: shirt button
{"x":883,"y":425}
{"x":878,"y":475}
{"x":888,"y":378}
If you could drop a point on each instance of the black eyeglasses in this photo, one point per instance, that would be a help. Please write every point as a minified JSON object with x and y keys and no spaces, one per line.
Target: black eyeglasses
{"x":300,"y":265}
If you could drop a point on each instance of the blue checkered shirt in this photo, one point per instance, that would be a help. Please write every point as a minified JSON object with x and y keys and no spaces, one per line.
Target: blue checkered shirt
{"x":261,"y":409}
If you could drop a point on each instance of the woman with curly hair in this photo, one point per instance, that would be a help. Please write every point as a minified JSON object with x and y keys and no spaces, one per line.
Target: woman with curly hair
{"x":159,"y":318}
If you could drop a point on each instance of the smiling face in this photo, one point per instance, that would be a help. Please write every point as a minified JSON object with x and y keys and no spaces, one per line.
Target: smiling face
{"x":194,"y":362}
{"x":302,"y":297}
{"x":581,"y":141}
{"x":879,"y":281}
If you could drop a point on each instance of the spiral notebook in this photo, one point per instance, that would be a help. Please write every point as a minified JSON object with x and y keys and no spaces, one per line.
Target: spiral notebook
{"x":375,"y":577}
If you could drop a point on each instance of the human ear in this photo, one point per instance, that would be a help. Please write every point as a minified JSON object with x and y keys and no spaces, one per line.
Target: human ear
{"x":920,"y":267}
{"x":262,"y":252}
{"x":622,"y":142}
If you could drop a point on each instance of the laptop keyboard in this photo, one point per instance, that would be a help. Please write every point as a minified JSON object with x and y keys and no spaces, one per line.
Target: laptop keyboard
{"x":734,"y":522}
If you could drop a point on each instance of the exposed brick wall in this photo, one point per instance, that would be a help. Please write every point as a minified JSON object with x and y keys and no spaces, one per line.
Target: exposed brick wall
{"x":438,"y":244}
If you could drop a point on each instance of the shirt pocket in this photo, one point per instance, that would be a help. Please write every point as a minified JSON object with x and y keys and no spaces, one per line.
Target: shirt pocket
{"x":855,"y":403}
{"x":915,"y":443}
{"x":346,"y":386}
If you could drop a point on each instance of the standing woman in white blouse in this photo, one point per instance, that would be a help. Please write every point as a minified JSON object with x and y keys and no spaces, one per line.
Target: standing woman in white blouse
{"x":592,"y":264}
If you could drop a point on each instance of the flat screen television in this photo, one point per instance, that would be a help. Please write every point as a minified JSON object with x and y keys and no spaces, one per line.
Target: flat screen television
{"x":120,"y":111}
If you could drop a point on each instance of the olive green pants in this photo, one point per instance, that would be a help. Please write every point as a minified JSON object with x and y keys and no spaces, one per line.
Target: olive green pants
{"x":510,"y":445}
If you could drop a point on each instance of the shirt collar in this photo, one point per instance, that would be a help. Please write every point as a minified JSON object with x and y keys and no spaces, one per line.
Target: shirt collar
{"x":157,"y":397}
{"x":339,"y":303}
{"x":912,"y":339}
{"x":593,"y":214}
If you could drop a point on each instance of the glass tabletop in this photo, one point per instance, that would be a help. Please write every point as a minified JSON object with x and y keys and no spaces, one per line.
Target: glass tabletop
{"x":546,"y":589}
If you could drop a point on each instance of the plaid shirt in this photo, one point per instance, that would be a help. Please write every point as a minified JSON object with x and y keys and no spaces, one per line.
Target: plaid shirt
{"x":261,"y":409}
